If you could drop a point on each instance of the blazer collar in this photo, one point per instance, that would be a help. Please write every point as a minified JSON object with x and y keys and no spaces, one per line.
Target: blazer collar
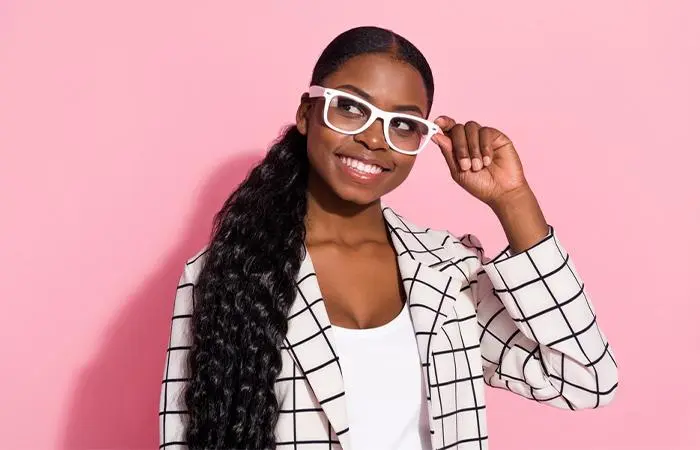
{"x":430,"y":294}
{"x":415,"y":242}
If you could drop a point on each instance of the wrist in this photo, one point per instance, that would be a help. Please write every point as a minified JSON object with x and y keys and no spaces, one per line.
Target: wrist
{"x":519,"y":198}
{"x":522,"y":218}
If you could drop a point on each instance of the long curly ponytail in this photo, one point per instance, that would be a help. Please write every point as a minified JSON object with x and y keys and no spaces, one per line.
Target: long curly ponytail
{"x":248,"y":280}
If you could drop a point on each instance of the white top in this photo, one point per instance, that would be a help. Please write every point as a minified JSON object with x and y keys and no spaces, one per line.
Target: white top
{"x":384,"y":390}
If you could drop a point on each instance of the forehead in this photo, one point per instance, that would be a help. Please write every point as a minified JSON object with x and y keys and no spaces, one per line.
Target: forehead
{"x":386,"y":79}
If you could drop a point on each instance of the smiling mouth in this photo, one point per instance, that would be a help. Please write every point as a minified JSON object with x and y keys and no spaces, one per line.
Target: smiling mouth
{"x":360,"y":172}
{"x":361,"y":166}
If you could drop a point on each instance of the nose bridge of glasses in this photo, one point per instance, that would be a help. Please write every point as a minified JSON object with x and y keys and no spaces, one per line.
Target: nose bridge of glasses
{"x":374,"y":134}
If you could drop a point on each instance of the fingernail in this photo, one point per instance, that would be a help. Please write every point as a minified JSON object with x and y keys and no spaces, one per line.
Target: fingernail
{"x":487,"y":160}
{"x":476,"y":163}
{"x":465,"y":163}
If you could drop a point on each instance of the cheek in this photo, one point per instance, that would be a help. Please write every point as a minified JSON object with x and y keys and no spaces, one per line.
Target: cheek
{"x":402,"y":168}
{"x":322,"y":141}
{"x":404,"y":163}
{"x":319,"y":137}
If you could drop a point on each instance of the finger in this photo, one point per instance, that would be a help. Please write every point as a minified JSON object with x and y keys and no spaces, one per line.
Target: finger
{"x":472,"y":133}
{"x":486,"y":137}
{"x":445,"y":144}
{"x":460,"y":148}
{"x":445,"y":123}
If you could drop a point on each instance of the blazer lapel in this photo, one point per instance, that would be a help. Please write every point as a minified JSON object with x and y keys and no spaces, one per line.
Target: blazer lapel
{"x":431,"y":292}
{"x":310,"y":342}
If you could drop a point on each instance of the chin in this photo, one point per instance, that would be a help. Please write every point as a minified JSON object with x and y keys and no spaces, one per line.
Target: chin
{"x":358,"y":196}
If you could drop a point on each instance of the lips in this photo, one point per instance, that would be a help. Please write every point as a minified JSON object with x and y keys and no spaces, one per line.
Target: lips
{"x":361,"y":167}
{"x":366,"y":160}
{"x":360,"y":172}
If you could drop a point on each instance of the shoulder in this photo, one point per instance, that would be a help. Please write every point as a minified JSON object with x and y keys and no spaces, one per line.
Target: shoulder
{"x":193,"y":265}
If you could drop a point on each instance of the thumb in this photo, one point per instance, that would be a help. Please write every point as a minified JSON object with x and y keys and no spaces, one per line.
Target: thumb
{"x":442,"y":141}
{"x":445,"y":123}
{"x":445,"y":144}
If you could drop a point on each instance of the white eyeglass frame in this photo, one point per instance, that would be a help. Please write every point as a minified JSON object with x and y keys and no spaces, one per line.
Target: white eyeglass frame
{"x":375,"y":113}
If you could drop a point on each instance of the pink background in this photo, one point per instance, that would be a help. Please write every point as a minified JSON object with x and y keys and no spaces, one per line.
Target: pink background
{"x":124,"y":125}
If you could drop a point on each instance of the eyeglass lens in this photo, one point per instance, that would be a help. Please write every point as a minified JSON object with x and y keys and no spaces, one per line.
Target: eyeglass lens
{"x":350,"y":115}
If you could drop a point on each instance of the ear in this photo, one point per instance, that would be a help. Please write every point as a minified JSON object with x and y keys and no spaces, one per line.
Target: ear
{"x":303,"y":114}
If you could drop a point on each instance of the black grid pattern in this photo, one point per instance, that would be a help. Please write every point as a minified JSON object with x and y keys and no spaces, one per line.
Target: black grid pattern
{"x":539,"y":335}
{"x":172,"y":411}
{"x":519,"y":322}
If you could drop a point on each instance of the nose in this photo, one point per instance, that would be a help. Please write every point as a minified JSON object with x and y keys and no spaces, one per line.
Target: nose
{"x":373,"y":136}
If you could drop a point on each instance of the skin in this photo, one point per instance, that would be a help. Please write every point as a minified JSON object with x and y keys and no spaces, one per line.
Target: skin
{"x":347,"y":239}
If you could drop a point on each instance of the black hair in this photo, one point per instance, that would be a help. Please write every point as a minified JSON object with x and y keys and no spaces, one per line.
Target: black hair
{"x":248,"y":278}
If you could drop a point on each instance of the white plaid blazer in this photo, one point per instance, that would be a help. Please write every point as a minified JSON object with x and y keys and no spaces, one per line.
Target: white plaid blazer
{"x":519,"y":322}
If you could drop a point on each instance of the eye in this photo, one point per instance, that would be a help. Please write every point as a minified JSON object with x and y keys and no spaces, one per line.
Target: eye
{"x":404,"y":125}
{"x":348,"y":106}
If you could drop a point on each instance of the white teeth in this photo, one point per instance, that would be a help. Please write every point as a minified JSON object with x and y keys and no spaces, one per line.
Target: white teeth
{"x":360,"y":166}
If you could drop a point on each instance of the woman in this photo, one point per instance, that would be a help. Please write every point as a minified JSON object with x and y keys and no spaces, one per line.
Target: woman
{"x":318,"y":317}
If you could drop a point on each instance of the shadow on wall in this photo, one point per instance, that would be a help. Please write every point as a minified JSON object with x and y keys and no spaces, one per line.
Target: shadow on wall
{"x":115,"y":405}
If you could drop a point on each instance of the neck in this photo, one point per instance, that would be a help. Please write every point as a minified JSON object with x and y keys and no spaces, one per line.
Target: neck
{"x":330,"y":218}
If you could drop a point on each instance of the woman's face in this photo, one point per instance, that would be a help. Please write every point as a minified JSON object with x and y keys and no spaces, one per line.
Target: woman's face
{"x":385,"y":82}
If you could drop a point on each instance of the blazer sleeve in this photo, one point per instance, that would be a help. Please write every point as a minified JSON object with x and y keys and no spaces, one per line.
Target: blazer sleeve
{"x":172,"y":412}
{"x":539,"y":336}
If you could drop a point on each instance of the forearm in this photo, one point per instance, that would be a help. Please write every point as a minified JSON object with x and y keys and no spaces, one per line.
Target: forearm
{"x":522,"y":219}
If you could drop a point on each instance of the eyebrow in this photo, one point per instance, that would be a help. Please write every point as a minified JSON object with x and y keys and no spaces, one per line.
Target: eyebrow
{"x":366,"y":96}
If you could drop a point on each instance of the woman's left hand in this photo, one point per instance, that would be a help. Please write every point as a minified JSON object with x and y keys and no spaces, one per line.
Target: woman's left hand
{"x":481,"y":159}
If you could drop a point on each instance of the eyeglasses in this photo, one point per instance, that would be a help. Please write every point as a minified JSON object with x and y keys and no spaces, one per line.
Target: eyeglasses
{"x":349,"y":114}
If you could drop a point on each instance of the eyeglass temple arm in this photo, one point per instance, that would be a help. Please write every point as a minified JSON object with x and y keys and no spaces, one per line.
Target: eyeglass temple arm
{"x":316,"y":91}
